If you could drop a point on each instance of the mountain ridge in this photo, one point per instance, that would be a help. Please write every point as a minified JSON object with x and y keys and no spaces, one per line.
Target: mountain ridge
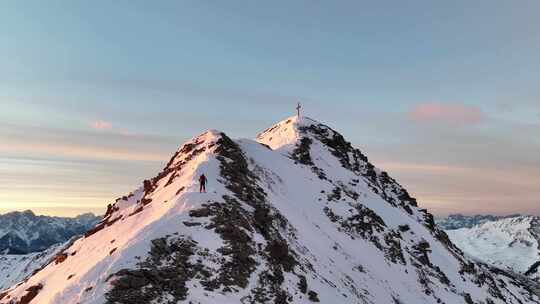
{"x":298,"y":216}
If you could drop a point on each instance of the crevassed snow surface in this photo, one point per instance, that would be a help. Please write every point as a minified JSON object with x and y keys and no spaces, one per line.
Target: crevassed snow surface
{"x":297,"y":216}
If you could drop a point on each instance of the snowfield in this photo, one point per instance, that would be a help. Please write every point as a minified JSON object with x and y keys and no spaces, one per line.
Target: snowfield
{"x":296,"y":216}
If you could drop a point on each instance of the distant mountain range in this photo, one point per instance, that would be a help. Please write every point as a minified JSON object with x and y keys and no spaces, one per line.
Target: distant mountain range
{"x":457,"y":221}
{"x":509,"y":243}
{"x":24,"y":232}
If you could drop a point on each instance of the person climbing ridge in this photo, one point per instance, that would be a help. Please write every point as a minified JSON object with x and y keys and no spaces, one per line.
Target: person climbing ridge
{"x":202,"y":182}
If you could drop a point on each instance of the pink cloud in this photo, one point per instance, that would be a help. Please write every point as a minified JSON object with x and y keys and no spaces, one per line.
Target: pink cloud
{"x":101,"y":125}
{"x":454,"y":113}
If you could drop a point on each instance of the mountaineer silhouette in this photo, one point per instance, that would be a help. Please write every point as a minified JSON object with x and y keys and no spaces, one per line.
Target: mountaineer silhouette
{"x":202,"y":182}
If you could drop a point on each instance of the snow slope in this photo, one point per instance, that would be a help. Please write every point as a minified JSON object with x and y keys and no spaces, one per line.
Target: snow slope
{"x":507,"y":243}
{"x":16,"y":267}
{"x":297,"y":216}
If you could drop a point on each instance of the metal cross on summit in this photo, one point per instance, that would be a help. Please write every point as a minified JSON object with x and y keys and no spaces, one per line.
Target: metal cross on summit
{"x":298,"y":108}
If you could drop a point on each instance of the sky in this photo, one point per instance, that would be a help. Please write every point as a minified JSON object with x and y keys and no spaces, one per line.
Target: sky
{"x":95,"y":96}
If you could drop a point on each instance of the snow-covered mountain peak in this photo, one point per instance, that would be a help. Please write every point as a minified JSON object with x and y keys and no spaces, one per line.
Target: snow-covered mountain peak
{"x":284,"y":133}
{"x":300,"y":216}
{"x":287,"y":133}
{"x":202,"y":142}
{"x":193,"y":158}
{"x":327,"y":153}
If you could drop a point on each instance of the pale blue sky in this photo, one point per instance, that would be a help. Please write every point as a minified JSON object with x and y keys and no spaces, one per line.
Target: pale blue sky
{"x":156,"y":73}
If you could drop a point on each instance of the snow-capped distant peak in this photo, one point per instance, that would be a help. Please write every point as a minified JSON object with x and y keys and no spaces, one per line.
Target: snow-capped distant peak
{"x":456,"y":221}
{"x":512,"y":243}
{"x":24,"y":232}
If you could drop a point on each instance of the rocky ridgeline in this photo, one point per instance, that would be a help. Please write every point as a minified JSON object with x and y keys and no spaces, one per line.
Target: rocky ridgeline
{"x":300,"y":216}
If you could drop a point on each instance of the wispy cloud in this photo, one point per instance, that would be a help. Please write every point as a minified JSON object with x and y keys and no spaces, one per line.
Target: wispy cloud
{"x":417,"y":167}
{"x":53,"y":142}
{"x":81,"y":151}
{"x":101,"y":125}
{"x":454,"y":113}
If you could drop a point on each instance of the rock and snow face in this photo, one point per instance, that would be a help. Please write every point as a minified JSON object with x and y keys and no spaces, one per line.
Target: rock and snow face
{"x":25,"y":232}
{"x":298,"y":216}
{"x":512,"y":243}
